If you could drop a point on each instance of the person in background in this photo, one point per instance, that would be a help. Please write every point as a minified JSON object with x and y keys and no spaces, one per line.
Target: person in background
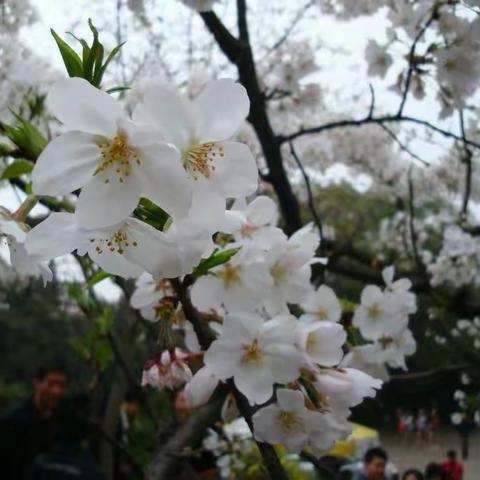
{"x":452,"y":467}
{"x":422,"y":425}
{"x":29,"y":428}
{"x":434,"y":471}
{"x":433,"y":426}
{"x":70,"y":457}
{"x":374,"y":463}
{"x":413,"y":474}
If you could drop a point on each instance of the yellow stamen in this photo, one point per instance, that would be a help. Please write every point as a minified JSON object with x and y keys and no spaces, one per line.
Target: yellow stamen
{"x":374,"y":311}
{"x":278,"y":272}
{"x":198,"y":158}
{"x":252,"y":354}
{"x":118,"y":157}
{"x":230,"y":274}
{"x":321,"y":313}
{"x":118,"y":241}
{"x":289,"y":421}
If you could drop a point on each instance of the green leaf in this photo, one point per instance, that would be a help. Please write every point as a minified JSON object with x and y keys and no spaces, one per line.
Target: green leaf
{"x":72,"y":61}
{"x":17,"y":168}
{"x":97,"y":278}
{"x":99,"y":74}
{"x":151,"y":214}
{"x":26,"y":136}
{"x":5,"y":149}
{"x":214,"y":260}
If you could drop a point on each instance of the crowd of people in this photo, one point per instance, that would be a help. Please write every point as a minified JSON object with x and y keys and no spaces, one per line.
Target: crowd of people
{"x":424,"y":424}
{"x":375,"y":467}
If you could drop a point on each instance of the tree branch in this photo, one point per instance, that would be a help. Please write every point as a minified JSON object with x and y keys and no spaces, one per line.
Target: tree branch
{"x":467,"y":160}
{"x":240,"y":54}
{"x":386,"y":119}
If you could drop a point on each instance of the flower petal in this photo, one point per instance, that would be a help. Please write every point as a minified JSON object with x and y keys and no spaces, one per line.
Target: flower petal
{"x":164,"y":180}
{"x":255,"y":381}
{"x":236,"y":172}
{"x":165,"y":109}
{"x":66,"y":164}
{"x":81,"y":106}
{"x":56,"y":235}
{"x":220,"y":110}
{"x":102,"y":204}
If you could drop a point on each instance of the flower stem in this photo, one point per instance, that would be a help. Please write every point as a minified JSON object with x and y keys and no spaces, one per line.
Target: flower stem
{"x":24,"y":209}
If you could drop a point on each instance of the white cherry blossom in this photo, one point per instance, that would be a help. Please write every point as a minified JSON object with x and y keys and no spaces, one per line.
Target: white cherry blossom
{"x":255,"y":222}
{"x":321,"y":305}
{"x":290,"y":266}
{"x":255,"y":353}
{"x":290,"y":423}
{"x":200,"y":129}
{"x":378,"y":313}
{"x":112,"y":160}
{"x":239,"y":285}
{"x":126,"y":249}
{"x":344,"y":388}
{"x":321,"y":342}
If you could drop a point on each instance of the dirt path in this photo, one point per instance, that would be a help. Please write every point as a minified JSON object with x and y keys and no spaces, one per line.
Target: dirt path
{"x":414,"y":453}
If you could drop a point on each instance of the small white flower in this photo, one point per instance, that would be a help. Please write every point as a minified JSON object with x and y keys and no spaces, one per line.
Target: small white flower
{"x":345,"y":388}
{"x":321,"y":304}
{"x":239,"y":285}
{"x":290,"y":267}
{"x":321,"y":343}
{"x":457,"y":418}
{"x":253,"y":223}
{"x":378,"y":314}
{"x":126,"y":249}
{"x":459,"y":395}
{"x":149,"y":291}
{"x":290,"y":423}
{"x":256,"y":354}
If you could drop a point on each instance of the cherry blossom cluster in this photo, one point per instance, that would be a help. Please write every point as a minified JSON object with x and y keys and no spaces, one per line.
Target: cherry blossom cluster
{"x":293,"y":370}
{"x":146,"y":196}
{"x":172,"y":151}
{"x":446,"y":35}
{"x":467,"y":412}
{"x":457,"y":263}
{"x":382,"y":318}
{"x":468,"y":331}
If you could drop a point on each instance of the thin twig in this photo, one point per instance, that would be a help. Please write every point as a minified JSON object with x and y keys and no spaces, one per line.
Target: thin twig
{"x":311,"y":199}
{"x":372,"y":103}
{"x":298,"y":18}
{"x":402,"y":146}
{"x":411,"y":59}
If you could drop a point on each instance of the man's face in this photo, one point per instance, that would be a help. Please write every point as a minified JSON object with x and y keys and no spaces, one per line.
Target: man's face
{"x":50,"y":389}
{"x":375,"y":470}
